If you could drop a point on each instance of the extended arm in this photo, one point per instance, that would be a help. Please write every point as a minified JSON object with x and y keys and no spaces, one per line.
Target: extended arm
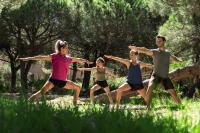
{"x":174,"y":58}
{"x":48,"y":58}
{"x":121,"y":60}
{"x":80,"y":60}
{"x":85,"y":69}
{"x":142,"y":50}
{"x":147,"y":65}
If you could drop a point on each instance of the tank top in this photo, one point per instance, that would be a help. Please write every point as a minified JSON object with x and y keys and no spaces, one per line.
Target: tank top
{"x":134,"y":74}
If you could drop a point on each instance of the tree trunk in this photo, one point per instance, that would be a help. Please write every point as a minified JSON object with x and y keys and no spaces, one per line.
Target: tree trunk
{"x":24,"y":73}
{"x":23,"y":77}
{"x":86,"y":78}
{"x":74,"y":71}
{"x":12,"y":54}
{"x":13,"y":77}
{"x":87,"y":74}
{"x":186,"y":72}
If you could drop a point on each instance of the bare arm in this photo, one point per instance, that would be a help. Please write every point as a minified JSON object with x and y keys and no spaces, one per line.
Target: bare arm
{"x":80,"y":60}
{"x":147,"y":65}
{"x":47,"y":58}
{"x":121,"y":60}
{"x":85,"y":69}
{"x":174,"y":58}
{"x":142,"y":50}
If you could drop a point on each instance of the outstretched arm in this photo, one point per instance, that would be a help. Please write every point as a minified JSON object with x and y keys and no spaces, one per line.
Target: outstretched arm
{"x":147,"y":65}
{"x":142,"y":50}
{"x":48,"y":58}
{"x":85,"y":69}
{"x":174,"y":58}
{"x":121,"y":60}
{"x":80,"y":60}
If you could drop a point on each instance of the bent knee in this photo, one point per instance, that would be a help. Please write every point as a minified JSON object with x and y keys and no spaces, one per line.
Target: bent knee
{"x":107,"y":89}
{"x":119,"y":91}
{"x":77,"y":88}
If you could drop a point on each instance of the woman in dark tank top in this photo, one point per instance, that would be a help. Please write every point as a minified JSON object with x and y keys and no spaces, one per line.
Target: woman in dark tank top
{"x":134,"y":78}
{"x":134,"y":74}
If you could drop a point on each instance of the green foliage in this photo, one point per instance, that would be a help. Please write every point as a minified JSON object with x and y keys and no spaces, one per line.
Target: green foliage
{"x":179,"y":65}
{"x":93,"y":27}
{"x":114,"y":83}
{"x":182,"y":27}
{"x":22,"y":116}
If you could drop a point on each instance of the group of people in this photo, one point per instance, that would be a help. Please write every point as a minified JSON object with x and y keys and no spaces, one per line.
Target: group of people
{"x":161,"y":59}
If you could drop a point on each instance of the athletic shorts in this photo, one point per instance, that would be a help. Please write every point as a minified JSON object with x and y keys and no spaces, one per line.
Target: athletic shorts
{"x":58,"y":83}
{"x":166,"y":82}
{"x":135,"y":87}
{"x":102,"y":84}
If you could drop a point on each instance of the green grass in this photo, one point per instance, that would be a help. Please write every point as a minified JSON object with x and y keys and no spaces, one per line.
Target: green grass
{"x":22,"y":117}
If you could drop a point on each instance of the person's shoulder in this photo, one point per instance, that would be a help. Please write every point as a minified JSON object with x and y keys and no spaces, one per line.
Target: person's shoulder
{"x":53,"y":54}
{"x":106,"y":67}
{"x":94,"y":67}
{"x":68,"y":57}
{"x":167,"y":51}
{"x":139,"y":62}
{"x":156,"y":49}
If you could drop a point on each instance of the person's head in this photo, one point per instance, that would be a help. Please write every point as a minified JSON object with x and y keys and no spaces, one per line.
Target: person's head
{"x":61,"y":47}
{"x":100,"y":62}
{"x":160,"y":41}
{"x":133,"y":55}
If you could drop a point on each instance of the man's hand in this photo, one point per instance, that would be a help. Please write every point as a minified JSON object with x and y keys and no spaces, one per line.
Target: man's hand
{"x":133,"y":47}
{"x":108,"y":56}
{"x":180,"y":59}
{"x":82,"y":61}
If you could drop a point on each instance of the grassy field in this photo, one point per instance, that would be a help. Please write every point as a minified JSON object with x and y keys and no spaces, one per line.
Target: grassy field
{"x":21,"y":117}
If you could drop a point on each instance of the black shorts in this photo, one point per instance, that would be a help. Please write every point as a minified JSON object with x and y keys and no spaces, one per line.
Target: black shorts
{"x":166,"y":82}
{"x":102,"y":84}
{"x":135,"y":87}
{"x":58,"y":83}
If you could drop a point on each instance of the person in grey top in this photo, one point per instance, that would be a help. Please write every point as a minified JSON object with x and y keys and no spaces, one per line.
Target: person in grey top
{"x":100,"y":71}
{"x":161,"y":59}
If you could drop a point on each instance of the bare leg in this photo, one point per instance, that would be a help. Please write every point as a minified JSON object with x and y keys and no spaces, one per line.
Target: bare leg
{"x":47,"y":86}
{"x":73,"y":86}
{"x":107,"y":90}
{"x":92,"y":90}
{"x":142,"y":92}
{"x":148,"y":95}
{"x":174,"y":96}
{"x":120,"y":90}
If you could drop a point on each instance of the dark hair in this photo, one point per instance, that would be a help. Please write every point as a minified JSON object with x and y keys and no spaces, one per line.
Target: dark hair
{"x":60,"y":44}
{"x":163,"y":38}
{"x":101,"y":60}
